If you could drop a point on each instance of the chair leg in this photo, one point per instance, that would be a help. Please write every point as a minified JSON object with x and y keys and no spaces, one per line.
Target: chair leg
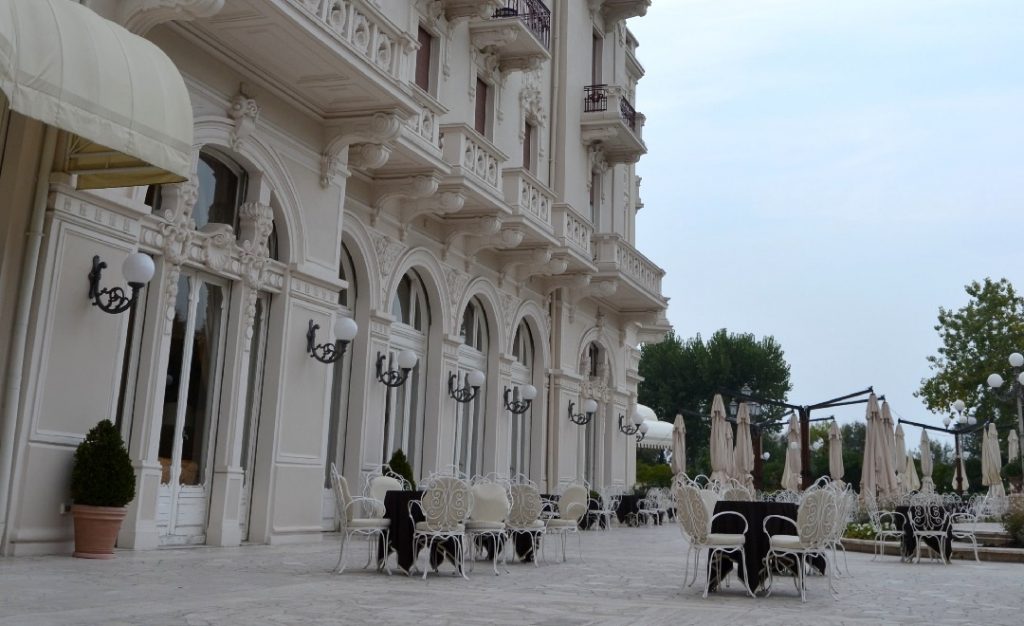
{"x":768,"y":568}
{"x":746,"y":578}
{"x":579,"y":545}
{"x":802,"y":565}
{"x":384,"y":559}
{"x":707,"y":579}
{"x":340,"y":567}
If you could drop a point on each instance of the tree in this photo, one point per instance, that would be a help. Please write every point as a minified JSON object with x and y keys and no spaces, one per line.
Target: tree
{"x":687,"y":374}
{"x":976,"y":341}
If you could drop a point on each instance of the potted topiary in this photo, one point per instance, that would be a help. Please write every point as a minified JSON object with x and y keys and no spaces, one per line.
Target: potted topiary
{"x":400,"y":465}
{"x":102,"y":483}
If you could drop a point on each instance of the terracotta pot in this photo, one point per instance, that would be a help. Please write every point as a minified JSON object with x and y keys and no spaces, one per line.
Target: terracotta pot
{"x":96,"y":529}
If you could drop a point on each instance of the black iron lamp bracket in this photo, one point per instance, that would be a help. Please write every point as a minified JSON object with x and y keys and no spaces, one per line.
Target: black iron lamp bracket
{"x":391,"y":377}
{"x":461,"y":395}
{"x":580,"y":419}
{"x":516,"y":407}
{"x":117,"y":301}
{"x":324,"y":352}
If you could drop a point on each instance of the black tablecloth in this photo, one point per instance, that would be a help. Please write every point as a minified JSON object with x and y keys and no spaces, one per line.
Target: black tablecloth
{"x":629,"y":506}
{"x":400,"y":533}
{"x":757,"y":543}
{"x":908,"y":543}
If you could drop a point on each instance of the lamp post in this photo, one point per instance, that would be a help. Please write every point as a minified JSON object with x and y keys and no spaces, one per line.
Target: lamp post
{"x":1015,"y":392}
{"x":963,"y":419}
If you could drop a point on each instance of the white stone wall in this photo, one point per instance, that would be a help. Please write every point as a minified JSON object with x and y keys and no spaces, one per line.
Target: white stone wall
{"x":329,"y":179}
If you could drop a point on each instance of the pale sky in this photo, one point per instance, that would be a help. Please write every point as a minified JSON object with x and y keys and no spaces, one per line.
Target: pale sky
{"x":830,"y":172}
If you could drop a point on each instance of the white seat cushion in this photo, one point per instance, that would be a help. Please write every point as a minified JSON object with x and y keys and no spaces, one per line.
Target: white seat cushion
{"x":423,"y":526}
{"x":787,"y":542}
{"x":561,"y":523}
{"x":368,"y":522}
{"x":480,"y":525}
{"x":725,"y":539}
{"x":536,"y":524}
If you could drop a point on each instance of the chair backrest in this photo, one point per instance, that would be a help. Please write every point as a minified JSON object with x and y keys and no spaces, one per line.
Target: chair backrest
{"x":526,"y":506}
{"x":928,"y":516}
{"x":692,"y":513}
{"x":786,"y":495}
{"x":573,"y":502}
{"x":737,"y":494}
{"x":446,"y":503}
{"x":490,"y":502}
{"x":816,"y":517}
{"x":378,"y":488}
{"x":342,"y":497}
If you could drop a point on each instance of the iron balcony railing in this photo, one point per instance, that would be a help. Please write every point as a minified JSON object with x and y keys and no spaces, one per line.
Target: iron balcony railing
{"x":533,"y":13}
{"x":595,"y":99}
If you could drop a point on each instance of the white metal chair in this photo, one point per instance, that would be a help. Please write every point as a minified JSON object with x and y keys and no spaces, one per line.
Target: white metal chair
{"x":815,"y":525}
{"x":929,"y":521}
{"x":487,"y":518}
{"x":524,"y":517}
{"x":737,"y":494}
{"x":445,"y":505}
{"x":572,"y":506}
{"x":845,"y":503}
{"x":963,"y":526}
{"x":369,"y":527}
{"x":886,"y":525}
{"x":695,"y":522}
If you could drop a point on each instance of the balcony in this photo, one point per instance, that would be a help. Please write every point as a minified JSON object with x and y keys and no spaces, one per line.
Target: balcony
{"x":573,"y":233}
{"x":638,"y":278}
{"x":475,"y":165}
{"x":333,"y":57}
{"x":418,"y":147}
{"x":612,"y":11}
{"x":611,"y":121}
{"x":530,"y":201}
{"x":518,"y":33}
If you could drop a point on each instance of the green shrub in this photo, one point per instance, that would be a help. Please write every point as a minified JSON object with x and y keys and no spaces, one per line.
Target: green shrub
{"x":102,"y":474}
{"x":1013,"y":522}
{"x":654,"y":475}
{"x":1012,"y":470}
{"x":400,"y":465}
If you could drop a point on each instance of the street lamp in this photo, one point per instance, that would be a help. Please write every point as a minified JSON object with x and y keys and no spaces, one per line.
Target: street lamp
{"x":643,"y":432}
{"x":466,"y":393}
{"x":637,"y":423}
{"x":963,"y":418}
{"x":1015,"y":392}
{"x":345,"y":329}
{"x":518,"y":406}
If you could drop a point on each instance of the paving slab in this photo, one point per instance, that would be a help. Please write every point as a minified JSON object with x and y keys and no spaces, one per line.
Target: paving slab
{"x":629,"y":576}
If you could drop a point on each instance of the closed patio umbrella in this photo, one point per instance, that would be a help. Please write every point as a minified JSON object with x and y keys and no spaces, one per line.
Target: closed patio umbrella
{"x":963,"y":472}
{"x":679,"y":446}
{"x":743,"y":453}
{"x":1012,"y":447}
{"x":791,"y":471}
{"x":900,"y":459}
{"x":869,"y":475}
{"x":927,"y":485}
{"x":990,"y":471}
{"x":835,"y":453}
{"x":911,"y":481}
{"x":721,"y":448}
{"x":890,"y":446}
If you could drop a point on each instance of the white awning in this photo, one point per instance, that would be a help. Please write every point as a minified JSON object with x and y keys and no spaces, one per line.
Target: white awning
{"x":119,"y":95}
{"x":659,"y":434}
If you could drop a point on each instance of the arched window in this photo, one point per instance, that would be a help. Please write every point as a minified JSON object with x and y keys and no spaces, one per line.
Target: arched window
{"x":403,"y":410}
{"x":469,"y":423}
{"x":521,"y":428}
{"x":346,"y":272}
{"x":222,"y":185}
{"x":340,"y":385}
{"x":594,"y":358}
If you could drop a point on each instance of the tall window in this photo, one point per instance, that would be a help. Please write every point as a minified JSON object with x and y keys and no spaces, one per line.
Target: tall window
{"x":597,"y":60}
{"x":403,"y":407}
{"x":342,"y":375}
{"x":482,"y":106}
{"x":529,"y":138}
{"x":469,"y":423}
{"x":424,"y":57}
{"x":221,"y":190}
{"x":595,"y":199}
{"x":522,"y":425}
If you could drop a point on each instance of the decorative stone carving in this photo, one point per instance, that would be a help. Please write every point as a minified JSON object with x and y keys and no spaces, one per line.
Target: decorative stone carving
{"x":531,"y":105}
{"x":378,"y":128}
{"x":482,"y":9}
{"x":388,"y":250}
{"x":245,"y":111}
{"x":177,"y":231}
{"x":139,"y":16}
{"x":368,"y":156}
{"x":217,"y":247}
{"x":456,"y":282}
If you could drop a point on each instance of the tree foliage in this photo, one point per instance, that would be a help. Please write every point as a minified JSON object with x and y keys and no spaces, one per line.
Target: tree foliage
{"x":975,"y":342}
{"x":686,"y":374}
{"x":102,"y":473}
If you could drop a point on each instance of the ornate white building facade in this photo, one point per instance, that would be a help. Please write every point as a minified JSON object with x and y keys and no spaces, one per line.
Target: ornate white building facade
{"x":456,"y":176}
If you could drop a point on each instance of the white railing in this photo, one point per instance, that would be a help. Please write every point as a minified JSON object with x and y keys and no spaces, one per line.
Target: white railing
{"x":528,"y":196}
{"x":470,"y":153}
{"x":426,"y":123}
{"x":366,"y":30}
{"x":626,"y":259}
{"x":574,"y":229}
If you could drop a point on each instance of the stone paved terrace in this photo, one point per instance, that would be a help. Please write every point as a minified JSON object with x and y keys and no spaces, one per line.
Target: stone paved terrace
{"x":631,"y":576}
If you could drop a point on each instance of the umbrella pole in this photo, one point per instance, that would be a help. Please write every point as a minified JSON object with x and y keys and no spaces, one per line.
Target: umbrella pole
{"x":805,"y":448}
{"x":959,"y":468}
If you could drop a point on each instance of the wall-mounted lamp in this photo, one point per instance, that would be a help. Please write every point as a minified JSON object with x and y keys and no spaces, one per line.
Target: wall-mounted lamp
{"x":470,"y":390}
{"x":345,"y":329}
{"x":137,"y":269}
{"x":589,"y":407}
{"x":521,"y":401}
{"x":643,"y":431}
{"x":395,"y":377}
{"x":634,"y":428}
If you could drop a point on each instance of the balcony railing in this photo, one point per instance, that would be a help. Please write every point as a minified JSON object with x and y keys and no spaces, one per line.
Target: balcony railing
{"x":595,"y":99}
{"x":573,"y":229}
{"x":533,"y":13}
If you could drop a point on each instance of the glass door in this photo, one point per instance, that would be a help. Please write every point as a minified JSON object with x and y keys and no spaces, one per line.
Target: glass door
{"x":191,"y":407}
